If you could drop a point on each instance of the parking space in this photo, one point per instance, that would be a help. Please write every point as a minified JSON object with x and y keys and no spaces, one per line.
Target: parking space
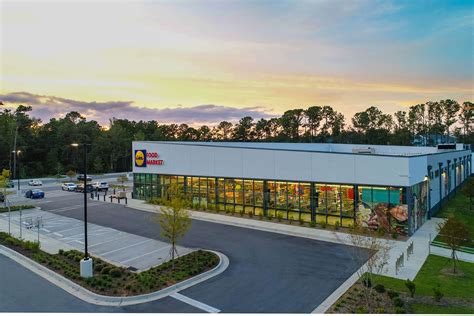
{"x":127,"y":250}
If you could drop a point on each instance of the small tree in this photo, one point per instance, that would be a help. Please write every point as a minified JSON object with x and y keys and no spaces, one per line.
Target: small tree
{"x":174,"y":219}
{"x":70,"y":174}
{"x":370,"y":252}
{"x":468,"y":190}
{"x":455,"y":234}
{"x":122,"y":179}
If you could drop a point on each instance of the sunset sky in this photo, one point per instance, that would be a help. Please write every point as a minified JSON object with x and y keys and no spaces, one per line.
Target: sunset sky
{"x":206,"y":61}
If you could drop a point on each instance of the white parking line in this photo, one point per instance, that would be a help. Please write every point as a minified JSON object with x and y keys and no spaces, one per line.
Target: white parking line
{"x":146,"y":254}
{"x":197,"y":304}
{"x":132,"y":245}
{"x":110,"y":240}
{"x":59,"y":235}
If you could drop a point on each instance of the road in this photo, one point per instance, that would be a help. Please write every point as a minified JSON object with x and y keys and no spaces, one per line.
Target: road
{"x":268,"y":272}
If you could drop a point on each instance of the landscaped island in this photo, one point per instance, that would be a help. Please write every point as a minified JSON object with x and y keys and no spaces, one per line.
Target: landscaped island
{"x":112,"y":280}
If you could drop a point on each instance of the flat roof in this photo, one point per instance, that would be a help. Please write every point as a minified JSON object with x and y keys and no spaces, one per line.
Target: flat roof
{"x":383,"y":150}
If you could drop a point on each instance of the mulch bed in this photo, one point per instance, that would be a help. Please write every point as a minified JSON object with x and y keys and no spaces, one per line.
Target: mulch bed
{"x":112,"y":280}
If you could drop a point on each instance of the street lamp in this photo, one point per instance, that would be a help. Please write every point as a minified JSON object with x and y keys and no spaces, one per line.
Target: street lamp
{"x":86,"y":263}
{"x":17,"y":153}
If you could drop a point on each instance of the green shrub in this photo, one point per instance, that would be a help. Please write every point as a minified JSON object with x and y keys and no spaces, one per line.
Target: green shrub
{"x":380,"y":310}
{"x":301,"y":221}
{"x":392,"y":294}
{"x":241,"y":212}
{"x":337,"y":225}
{"x":322,"y":224}
{"x":98,"y":267}
{"x":394,"y":235}
{"x":115,"y":273}
{"x":279,"y":217}
{"x":291,"y":219}
{"x":411,"y":286}
{"x":437,"y":294}
{"x":399,"y":310}
{"x":312,"y":224}
{"x":105,"y":270}
{"x":361,"y":310}
{"x":61,"y":251}
{"x":380,"y":288}
{"x":380,"y":231}
{"x":398,"y":302}
{"x":269,"y":217}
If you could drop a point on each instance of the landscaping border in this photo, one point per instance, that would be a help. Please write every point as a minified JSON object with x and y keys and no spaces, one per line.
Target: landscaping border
{"x":97,"y":299}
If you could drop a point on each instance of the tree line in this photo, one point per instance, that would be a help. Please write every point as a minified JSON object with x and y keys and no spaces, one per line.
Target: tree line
{"x":45,"y":147}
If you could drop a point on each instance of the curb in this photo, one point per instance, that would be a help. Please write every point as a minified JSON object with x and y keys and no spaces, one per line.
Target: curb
{"x":97,"y":299}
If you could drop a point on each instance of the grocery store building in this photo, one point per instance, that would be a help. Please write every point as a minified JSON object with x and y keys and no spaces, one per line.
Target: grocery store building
{"x":395,"y":188}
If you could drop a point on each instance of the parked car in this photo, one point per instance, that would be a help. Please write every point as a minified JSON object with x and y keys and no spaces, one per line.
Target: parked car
{"x":81,"y":178}
{"x":9,"y":184}
{"x":68,"y":186}
{"x":99,"y":186}
{"x":35,"y":183}
{"x":2,"y":197}
{"x":34,"y":194}
{"x":80,"y":188}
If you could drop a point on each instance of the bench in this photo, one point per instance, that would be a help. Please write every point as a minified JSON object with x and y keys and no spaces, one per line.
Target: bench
{"x":119,"y":196}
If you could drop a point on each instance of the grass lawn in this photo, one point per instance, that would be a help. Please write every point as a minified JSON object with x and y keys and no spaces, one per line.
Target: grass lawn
{"x":458,"y":207}
{"x":430,"y":275}
{"x":458,"y":292}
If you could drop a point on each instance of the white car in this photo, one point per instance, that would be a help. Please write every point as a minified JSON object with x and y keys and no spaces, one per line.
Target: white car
{"x":35,"y":182}
{"x":100,"y":186}
{"x":68,"y":186}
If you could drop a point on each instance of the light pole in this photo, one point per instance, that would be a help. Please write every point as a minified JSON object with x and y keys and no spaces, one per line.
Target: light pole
{"x":17,"y":168}
{"x":86,"y":263}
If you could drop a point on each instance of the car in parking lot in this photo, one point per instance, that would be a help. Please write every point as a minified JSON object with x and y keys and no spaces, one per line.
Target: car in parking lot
{"x":80,"y":188}
{"x":81,"y":178}
{"x":34,"y":194}
{"x":68,"y":186}
{"x":9,"y":184}
{"x":35,"y":183}
{"x":99,"y":186}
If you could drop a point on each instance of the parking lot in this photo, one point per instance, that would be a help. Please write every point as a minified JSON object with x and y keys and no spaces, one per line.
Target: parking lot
{"x":128,"y":250}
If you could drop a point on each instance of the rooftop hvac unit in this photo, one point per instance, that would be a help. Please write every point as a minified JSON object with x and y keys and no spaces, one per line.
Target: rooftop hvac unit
{"x":363,"y":150}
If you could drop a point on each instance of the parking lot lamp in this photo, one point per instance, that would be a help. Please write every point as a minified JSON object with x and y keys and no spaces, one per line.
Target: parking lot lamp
{"x":86,"y":263}
{"x":17,"y":154}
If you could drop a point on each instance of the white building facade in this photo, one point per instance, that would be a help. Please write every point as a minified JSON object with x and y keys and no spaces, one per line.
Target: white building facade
{"x":394,"y":188}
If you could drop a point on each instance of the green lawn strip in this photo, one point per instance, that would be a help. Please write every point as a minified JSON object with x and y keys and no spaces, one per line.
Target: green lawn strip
{"x":16,"y":208}
{"x":419,"y":308}
{"x":457,"y":290}
{"x":112,"y":280}
{"x":458,"y":207}
{"x":430,"y":276}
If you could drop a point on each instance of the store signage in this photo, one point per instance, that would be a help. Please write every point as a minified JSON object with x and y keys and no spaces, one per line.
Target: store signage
{"x":144,"y":158}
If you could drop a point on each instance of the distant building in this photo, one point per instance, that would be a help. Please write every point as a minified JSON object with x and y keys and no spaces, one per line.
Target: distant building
{"x":395,"y":188}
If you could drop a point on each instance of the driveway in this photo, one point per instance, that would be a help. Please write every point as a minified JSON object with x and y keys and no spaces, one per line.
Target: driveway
{"x":268,"y":272}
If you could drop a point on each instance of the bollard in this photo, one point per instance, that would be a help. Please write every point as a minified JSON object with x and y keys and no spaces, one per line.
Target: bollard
{"x":104,"y":197}
{"x":126,"y":201}
{"x":118,"y":199}
{"x":114,"y":191}
{"x":110,"y":199}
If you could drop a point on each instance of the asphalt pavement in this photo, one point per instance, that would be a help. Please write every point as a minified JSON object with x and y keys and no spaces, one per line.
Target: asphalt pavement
{"x":268,"y":272}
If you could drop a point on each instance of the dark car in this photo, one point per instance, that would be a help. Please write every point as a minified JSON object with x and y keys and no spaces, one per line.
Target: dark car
{"x":34,"y":194}
{"x":9,"y":184}
{"x":80,"y":188}
{"x":81,"y":178}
